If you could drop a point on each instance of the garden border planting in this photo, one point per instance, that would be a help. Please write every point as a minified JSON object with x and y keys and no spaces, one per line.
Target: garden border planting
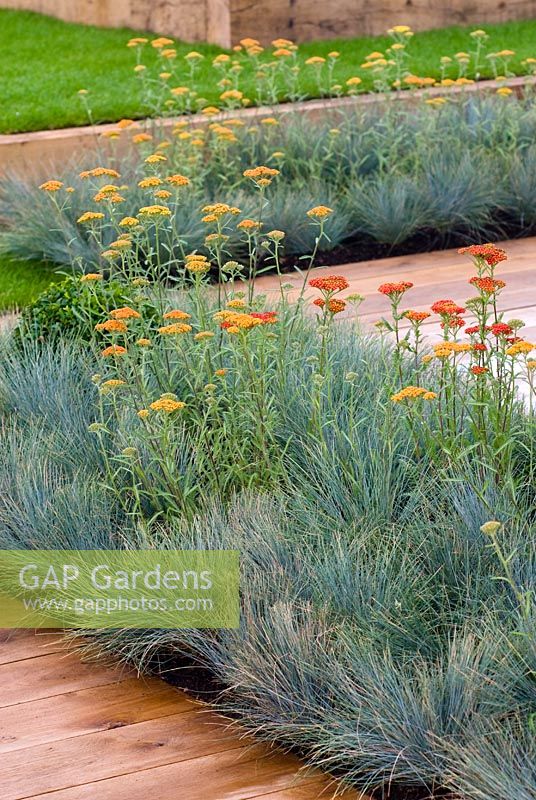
{"x":37,"y":152}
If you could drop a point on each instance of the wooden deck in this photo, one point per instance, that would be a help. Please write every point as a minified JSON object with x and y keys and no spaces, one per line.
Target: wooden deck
{"x":75,"y":731}
{"x":438,"y":275}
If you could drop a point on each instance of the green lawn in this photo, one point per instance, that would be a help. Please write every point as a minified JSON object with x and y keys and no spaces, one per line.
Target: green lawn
{"x":22,"y":281}
{"x":44,"y":62}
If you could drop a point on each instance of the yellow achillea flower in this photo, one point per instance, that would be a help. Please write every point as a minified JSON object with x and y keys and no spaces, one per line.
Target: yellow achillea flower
{"x":446,"y":349}
{"x":219,"y":209}
{"x":531,"y":364}
{"x":167,"y":405}
{"x":355,"y":81}
{"x":269,"y":121}
{"x":320,"y":212}
{"x":231,"y":94}
{"x":176,"y":314}
{"x":98,"y":172}
{"x":155,"y":211}
{"x":111,"y":326}
{"x":111,"y":197}
{"x":128,"y":222}
{"x":413,"y":393}
{"x":518,"y":348}
{"x":427,"y":358}
{"x":504,"y":91}
{"x":197,"y":266}
{"x":91,"y":276}
{"x":230,"y":320}
{"x":178,"y":180}
{"x":125,"y":313}
{"x":315,"y":60}
{"x":155,"y":158}
{"x":162,"y":194}
{"x":236,"y":303}
{"x":51,"y":186}
{"x":110,"y":254}
{"x":261,"y":175}
{"x":90,"y":216}
{"x":137,"y":41}
{"x":203,"y":335}
{"x":121,"y":244}
{"x":147,"y":183}
{"x":175,"y":329}
{"x":161,"y":41}
{"x":143,"y":413}
{"x":193,"y":55}
{"x":109,"y":386}
{"x":143,"y":342}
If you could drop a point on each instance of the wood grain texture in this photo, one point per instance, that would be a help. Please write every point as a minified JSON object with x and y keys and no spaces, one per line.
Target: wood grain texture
{"x":77,"y":731}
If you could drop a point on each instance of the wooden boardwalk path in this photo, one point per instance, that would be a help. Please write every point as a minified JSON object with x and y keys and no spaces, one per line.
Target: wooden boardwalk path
{"x":438,"y":275}
{"x":84,"y":731}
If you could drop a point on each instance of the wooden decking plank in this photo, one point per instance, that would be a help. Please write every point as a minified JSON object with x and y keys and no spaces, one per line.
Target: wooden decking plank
{"x":316,"y":790}
{"x":58,"y":674}
{"x":88,"y":710}
{"x":230,"y":775}
{"x":71,"y":762}
{"x":17,"y":645}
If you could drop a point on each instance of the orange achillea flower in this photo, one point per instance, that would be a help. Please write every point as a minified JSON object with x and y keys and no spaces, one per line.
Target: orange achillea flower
{"x":113,"y":350}
{"x":395,"y":289}
{"x":176,"y":329}
{"x":199,"y":337}
{"x":330,"y":283}
{"x":90,"y":216}
{"x":319,"y":212}
{"x":334,"y":305}
{"x":248,"y":225}
{"x":98,"y":172}
{"x":413,"y":393}
{"x":315,"y":60}
{"x":447,"y":308}
{"x":91,"y":276}
{"x":266,"y":317}
{"x":280,"y":42}
{"x":220,"y":372}
{"x":176,"y":314}
{"x":476,"y":370}
{"x":129,"y":222}
{"x":167,"y":405}
{"x":139,"y":138}
{"x":488,"y":252}
{"x":161,"y":41}
{"x":230,"y":320}
{"x":487,"y":285}
{"x":453,"y":323}
{"x":111,"y":197}
{"x":51,"y":186}
{"x":143,"y":342}
{"x":155,"y":158}
{"x":125,"y":313}
{"x":162,"y":194}
{"x":416,"y":316}
{"x":111,"y":326}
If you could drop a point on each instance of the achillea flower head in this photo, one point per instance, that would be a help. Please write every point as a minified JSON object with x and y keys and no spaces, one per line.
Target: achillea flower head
{"x":129,"y":222}
{"x":111,"y":326}
{"x":416,"y":316}
{"x":330,"y":283}
{"x":151,"y":181}
{"x":202,"y":335}
{"x":51,"y":186}
{"x":519,"y":348}
{"x":109,"y":386}
{"x":319,"y":212}
{"x":91,"y":276}
{"x":176,"y":314}
{"x":447,"y":308}
{"x":265,"y":317}
{"x":155,"y":211}
{"x":175,"y":329}
{"x":113,"y":350}
{"x":125,"y":313}
{"x":488,"y":252}
{"x":413,"y":393}
{"x":178,"y":180}
{"x":90,"y":216}
{"x":476,"y":370}
{"x":167,"y":404}
{"x":98,"y":172}
{"x":487,"y":285}
{"x":501,"y":329}
{"x":395,"y":289}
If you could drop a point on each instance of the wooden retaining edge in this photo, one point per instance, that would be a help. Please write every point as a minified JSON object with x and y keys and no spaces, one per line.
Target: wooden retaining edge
{"x":40,"y":152}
